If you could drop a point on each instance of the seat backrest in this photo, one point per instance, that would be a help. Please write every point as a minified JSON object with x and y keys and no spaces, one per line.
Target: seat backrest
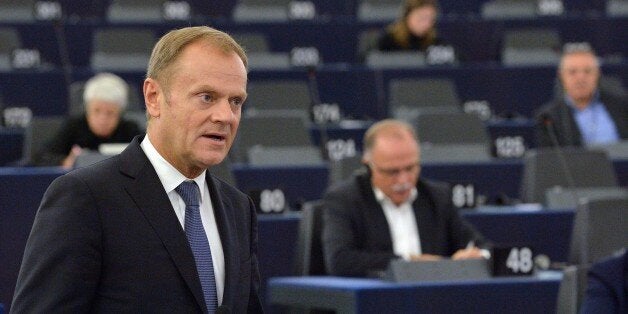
{"x":383,"y":60}
{"x":223,"y":171}
{"x":342,"y":169}
{"x":544,"y":168}
{"x":270,"y":130}
{"x":284,"y":155}
{"x":599,"y":230}
{"x":261,"y":11}
{"x":532,"y":38}
{"x":617,"y":150}
{"x":9,"y":41}
{"x":40,"y":131}
{"x":531,"y":46}
{"x":124,"y":40}
{"x":309,"y":259}
{"x":378,"y":10}
{"x":455,"y":153}
{"x":451,"y":128}
{"x":252,"y":42}
{"x":17,"y":10}
{"x":88,"y":157}
{"x":569,"y":198}
{"x":367,"y":42}
{"x":135,"y":11}
{"x":121,"y":49}
{"x":571,"y":289}
{"x":508,"y":9}
{"x":279,"y":95}
{"x":408,"y":97}
{"x":617,"y":8}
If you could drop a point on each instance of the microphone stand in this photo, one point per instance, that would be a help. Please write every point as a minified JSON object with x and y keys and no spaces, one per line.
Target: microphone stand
{"x":316,"y":100}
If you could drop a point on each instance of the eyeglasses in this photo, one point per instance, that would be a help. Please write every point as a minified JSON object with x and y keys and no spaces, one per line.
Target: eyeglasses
{"x":393,"y":172}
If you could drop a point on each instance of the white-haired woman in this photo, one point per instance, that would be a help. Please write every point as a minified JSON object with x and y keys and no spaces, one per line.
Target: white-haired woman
{"x":105,"y":98}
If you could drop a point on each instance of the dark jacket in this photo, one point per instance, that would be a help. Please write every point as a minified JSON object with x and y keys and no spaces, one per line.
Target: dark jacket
{"x":356,"y":236}
{"x":607,"y":286}
{"x":107,"y":240}
{"x":75,"y":131}
{"x":559,"y":117}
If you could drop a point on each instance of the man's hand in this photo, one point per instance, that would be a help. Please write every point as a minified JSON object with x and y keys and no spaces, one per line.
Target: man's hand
{"x":425,"y":257}
{"x":468,"y":253}
{"x":68,"y":162}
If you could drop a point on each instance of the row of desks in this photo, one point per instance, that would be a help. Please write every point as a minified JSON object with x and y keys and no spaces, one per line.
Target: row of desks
{"x":21,"y":190}
{"x":351,"y":295}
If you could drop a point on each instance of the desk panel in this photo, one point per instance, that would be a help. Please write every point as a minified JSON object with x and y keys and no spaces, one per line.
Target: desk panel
{"x":350,"y":295}
{"x":11,"y":145}
{"x":299,"y":184}
{"x":277,"y":241}
{"x":546,"y":231}
{"x":21,"y":190}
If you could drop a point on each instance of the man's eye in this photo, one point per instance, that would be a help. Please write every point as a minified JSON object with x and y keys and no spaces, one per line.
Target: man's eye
{"x":206,"y":97}
{"x":237,"y":101}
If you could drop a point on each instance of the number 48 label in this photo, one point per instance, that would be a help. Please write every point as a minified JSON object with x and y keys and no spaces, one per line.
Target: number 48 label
{"x":520,"y":260}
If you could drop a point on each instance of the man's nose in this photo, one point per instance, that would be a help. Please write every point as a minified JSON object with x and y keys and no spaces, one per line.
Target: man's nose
{"x":223,"y":112}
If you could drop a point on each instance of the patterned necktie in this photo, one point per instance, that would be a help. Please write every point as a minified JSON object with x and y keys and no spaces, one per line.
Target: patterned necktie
{"x":198,"y":242}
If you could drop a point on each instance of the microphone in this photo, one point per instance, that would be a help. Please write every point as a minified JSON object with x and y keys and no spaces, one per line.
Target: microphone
{"x":316,"y":100}
{"x":548,"y":123}
{"x":223,"y":309}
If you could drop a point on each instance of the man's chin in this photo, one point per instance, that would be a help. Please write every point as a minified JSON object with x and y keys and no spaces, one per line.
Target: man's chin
{"x":211,"y":159}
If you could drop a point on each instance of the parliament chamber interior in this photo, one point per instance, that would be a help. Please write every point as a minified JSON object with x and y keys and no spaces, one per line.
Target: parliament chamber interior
{"x":316,"y":83}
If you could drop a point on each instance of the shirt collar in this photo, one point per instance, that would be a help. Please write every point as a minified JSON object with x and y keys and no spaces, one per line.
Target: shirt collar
{"x":169,"y":176}
{"x":383,"y":199}
{"x":594,"y":101}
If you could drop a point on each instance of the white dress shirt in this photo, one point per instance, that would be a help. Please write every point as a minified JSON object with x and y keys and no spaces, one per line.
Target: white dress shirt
{"x":170,"y":178}
{"x":402,"y":224}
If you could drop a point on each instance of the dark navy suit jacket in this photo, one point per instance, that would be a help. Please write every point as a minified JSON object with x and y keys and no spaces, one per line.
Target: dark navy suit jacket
{"x":607,"y":286}
{"x":106,"y":239}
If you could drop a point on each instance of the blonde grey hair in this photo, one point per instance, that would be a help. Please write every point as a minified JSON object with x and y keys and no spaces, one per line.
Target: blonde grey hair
{"x":391,"y":127}
{"x":578,"y":48}
{"x":106,"y":87}
{"x":170,"y":46}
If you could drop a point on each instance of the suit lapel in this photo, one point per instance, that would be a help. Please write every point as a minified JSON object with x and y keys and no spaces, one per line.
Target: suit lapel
{"x":149,"y":195}
{"x":423,"y":219}
{"x":375,"y":219}
{"x":225,"y":220}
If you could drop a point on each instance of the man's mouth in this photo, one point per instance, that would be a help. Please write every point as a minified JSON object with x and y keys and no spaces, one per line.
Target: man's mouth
{"x":215,"y":137}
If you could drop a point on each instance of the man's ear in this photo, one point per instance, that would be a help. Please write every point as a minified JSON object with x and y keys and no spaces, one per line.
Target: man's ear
{"x":152,"y":96}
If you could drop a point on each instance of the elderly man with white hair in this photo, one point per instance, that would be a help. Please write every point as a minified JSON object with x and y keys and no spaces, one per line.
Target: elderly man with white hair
{"x":105,"y":98}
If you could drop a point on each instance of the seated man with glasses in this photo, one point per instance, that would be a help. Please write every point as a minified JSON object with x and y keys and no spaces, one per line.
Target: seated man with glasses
{"x":386,"y":212}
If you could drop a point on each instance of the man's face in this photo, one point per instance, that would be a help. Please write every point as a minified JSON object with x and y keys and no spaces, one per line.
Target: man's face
{"x":395,"y":168}
{"x":194,"y":120}
{"x":579,"y":74}
{"x":102,"y":117}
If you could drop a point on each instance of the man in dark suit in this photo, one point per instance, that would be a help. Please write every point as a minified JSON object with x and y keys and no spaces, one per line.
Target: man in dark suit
{"x":151,"y":230}
{"x":387,"y":212}
{"x":584,"y":114}
{"x":607,"y":286}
